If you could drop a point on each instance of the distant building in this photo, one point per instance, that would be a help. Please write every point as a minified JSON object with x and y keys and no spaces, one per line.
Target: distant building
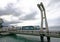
{"x":31,"y":28}
{"x":27,"y":28}
{"x":1,"y":21}
{"x":36,"y":27}
{"x":5,"y":28}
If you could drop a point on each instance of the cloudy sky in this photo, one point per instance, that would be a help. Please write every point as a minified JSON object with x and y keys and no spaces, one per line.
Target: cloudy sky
{"x":26,"y":12}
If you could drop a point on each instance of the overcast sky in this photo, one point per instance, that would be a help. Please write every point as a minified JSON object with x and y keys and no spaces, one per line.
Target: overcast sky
{"x":26,"y":12}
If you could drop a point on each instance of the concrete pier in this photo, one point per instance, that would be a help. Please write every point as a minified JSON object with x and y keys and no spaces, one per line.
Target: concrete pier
{"x":48,"y":39}
{"x":42,"y":37}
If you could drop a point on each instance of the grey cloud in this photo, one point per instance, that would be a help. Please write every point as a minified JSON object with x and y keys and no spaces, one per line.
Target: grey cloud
{"x":53,"y":2}
{"x":54,"y":21}
{"x":30,"y":16}
{"x":58,"y":21}
{"x":10,"y":10}
{"x":12,"y":22}
{"x":18,"y":0}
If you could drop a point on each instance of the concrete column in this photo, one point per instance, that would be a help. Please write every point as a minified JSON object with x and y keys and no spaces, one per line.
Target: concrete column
{"x":48,"y":39}
{"x":42,"y":38}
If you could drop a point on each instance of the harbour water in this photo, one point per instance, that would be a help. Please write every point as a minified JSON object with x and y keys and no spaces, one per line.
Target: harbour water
{"x":25,"y":38}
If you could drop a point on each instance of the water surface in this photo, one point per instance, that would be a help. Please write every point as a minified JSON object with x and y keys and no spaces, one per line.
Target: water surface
{"x":25,"y":38}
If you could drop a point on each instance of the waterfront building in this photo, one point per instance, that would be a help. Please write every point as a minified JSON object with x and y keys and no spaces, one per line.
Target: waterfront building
{"x":1,"y":21}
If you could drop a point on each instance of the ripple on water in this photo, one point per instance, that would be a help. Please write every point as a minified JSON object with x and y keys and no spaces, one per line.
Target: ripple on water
{"x":15,"y":38}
